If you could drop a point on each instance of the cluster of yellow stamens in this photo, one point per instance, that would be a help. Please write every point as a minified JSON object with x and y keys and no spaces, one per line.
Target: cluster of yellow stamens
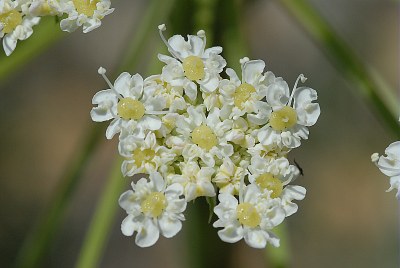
{"x":248,"y":215}
{"x":268,"y":181}
{"x":154,"y":204}
{"x":10,"y":20}
{"x":129,"y":108}
{"x":283,"y":119}
{"x":204,"y":137}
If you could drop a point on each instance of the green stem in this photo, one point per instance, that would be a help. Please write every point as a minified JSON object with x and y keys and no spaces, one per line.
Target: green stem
{"x":39,"y":240}
{"x":369,"y":87}
{"x":102,"y":220}
{"x":44,"y":35}
{"x":279,"y":257}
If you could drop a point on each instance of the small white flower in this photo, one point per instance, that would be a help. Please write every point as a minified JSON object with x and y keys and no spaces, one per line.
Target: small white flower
{"x":14,"y":24}
{"x":152,"y":208}
{"x":228,"y":176}
{"x":86,"y":13}
{"x":191,"y":62}
{"x":195,"y":180}
{"x":143,"y":156}
{"x":133,"y":107}
{"x":289,"y":121}
{"x":251,"y":219}
{"x":246,"y":96}
{"x":390,"y":165}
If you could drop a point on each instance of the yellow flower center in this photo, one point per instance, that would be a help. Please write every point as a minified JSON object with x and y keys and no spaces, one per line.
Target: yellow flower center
{"x":242,"y":94}
{"x":193,"y":67}
{"x":86,"y":7}
{"x":204,"y":137}
{"x":10,"y":20}
{"x":143,"y":156}
{"x":129,"y":108}
{"x":247,"y":215}
{"x":283,"y":118}
{"x":154,"y":204}
{"x":267,"y":181}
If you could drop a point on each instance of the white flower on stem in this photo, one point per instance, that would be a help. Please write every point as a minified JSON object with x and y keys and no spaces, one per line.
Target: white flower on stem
{"x":204,"y":135}
{"x":228,"y":176}
{"x":246,"y":96}
{"x":152,"y":208}
{"x":86,"y":13}
{"x":172,"y":94}
{"x":273,"y":176}
{"x":252,"y":218}
{"x":291,"y":115}
{"x":143,"y":156}
{"x":14,"y":24}
{"x":195,"y":180}
{"x":390,"y":165}
{"x":191,"y":62}
{"x":133,"y":107}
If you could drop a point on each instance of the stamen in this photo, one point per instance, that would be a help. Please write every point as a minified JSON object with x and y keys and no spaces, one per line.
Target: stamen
{"x":202,"y":34}
{"x":162,"y":28}
{"x":303,"y":79}
{"x":102,"y":72}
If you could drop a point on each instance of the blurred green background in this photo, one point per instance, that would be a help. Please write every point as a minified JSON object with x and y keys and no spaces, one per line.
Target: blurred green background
{"x":346,"y":220}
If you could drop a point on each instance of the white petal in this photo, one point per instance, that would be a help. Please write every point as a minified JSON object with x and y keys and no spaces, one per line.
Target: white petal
{"x":231,"y":233}
{"x":9,"y":44}
{"x":169,"y":227}
{"x":252,"y":71}
{"x":278,"y":94}
{"x":197,"y":45}
{"x":307,"y":112}
{"x":149,"y":234}
{"x":113,"y":128}
{"x":158,"y":181}
{"x":256,"y":238}
{"x":151,"y":122}
{"x":128,"y":226}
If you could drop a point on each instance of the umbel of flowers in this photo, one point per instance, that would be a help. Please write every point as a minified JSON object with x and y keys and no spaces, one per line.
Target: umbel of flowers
{"x":17,"y":17}
{"x":194,"y":134}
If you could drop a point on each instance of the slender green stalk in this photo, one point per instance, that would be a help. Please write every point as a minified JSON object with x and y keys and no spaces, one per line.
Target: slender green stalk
{"x":347,"y":62}
{"x":279,"y":257}
{"x":102,"y":220}
{"x":38,"y":241}
{"x":45,"y":34}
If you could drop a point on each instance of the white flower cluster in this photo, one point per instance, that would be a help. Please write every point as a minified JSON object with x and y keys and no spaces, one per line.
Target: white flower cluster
{"x":17,"y":17}
{"x":197,"y":134}
{"x":390,"y":165}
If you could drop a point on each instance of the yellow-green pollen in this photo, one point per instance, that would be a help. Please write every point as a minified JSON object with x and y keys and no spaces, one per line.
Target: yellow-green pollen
{"x":204,"y":137}
{"x":10,"y":20}
{"x":242,"y":94}
{"x":193,"y":67}
{"x":143,"y":156}
{"x":154,"y":204}
{"x":267,"y":181}
{"x":86,"y":7}
{"x":129,"y":108}
{"x":247,"y":215}
{"x":283,"y":119}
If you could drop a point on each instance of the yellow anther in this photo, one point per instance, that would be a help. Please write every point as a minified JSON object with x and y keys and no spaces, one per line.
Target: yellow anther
{"x":86,"y":7}
{"x":129,"y":108}
{"x":247,"y":215}
{"x":10,"y":20}
{"x":154,"y":204}
{"x":143,"y":156}
{"x":283,"y":118}
{"x":242,"y":94}
{"x":267,"y":181}
{"x":204,"y":137}
{"x":193,"y":67}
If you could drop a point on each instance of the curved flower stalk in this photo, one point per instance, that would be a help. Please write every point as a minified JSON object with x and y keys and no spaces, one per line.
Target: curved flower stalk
{"x":17,"y":17}
{"x":189,"y":130}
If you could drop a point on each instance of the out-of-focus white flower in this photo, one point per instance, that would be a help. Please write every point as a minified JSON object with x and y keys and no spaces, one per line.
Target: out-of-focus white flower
{"x":390,"y":165}
{"x":86,"y":13}
{"x":152,"y":209}
{"x":14,"y":24}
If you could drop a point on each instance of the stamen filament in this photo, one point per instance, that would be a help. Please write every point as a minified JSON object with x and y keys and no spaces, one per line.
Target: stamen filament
{"x":303,"y":79}
{"x":102,"y":72}
{"x":162,"y":28}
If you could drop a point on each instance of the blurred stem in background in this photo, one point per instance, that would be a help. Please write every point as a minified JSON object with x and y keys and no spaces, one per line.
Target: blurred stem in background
{"x":39,"y":240}
{"x":368,"y":83}
{"x":45,"y":35}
